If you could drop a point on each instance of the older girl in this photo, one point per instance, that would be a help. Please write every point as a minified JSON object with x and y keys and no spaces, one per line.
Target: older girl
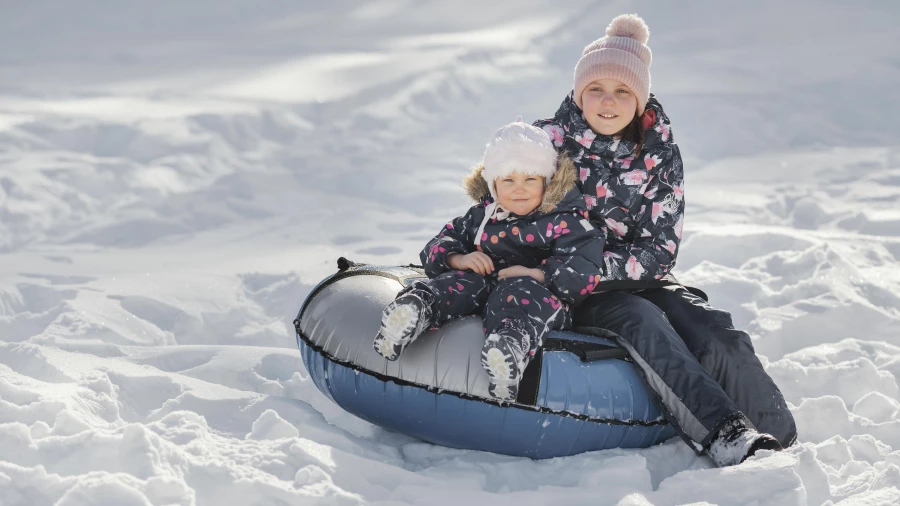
{"x":705,"y":374}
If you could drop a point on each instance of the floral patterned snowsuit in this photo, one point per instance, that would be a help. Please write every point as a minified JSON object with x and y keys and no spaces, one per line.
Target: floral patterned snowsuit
{"x":556,"y":238}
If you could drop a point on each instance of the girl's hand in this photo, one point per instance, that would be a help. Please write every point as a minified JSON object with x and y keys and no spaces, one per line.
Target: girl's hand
{"x":518,"y":270}
{"x":475,"y":261}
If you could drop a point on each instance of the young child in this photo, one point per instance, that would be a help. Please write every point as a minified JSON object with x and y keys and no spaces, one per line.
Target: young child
{"x":520,"y":257}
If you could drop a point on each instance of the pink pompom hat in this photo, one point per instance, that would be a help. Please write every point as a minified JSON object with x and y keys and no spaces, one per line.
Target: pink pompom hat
{"x":622,"y":55}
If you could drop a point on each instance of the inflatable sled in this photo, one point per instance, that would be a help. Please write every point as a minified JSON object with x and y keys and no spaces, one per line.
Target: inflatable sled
{"x":580,"y":393}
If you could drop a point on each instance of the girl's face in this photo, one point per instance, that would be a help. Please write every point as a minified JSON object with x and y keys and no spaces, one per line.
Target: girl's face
{"x":608,"y":105}
{"x":520,"y":193}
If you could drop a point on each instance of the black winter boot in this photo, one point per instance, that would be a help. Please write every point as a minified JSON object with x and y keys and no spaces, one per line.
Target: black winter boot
{"x":736,"y":442}
{"x":404,"y":320}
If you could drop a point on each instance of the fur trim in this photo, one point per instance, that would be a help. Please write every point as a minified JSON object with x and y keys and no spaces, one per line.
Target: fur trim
{"x":560,"y":184}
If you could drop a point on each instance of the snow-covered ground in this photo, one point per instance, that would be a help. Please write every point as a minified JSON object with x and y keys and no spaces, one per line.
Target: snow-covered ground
{"x":175,"y":176}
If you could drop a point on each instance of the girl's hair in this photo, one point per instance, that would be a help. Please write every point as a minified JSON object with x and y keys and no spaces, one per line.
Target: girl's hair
{"x":634,"y":132}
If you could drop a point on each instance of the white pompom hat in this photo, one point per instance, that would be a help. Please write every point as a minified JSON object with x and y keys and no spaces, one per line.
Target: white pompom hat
{"x":518,"y":147}
{"x":622,"y":55}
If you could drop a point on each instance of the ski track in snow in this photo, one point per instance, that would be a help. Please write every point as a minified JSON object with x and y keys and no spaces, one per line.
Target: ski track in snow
{"x":174,"y":181}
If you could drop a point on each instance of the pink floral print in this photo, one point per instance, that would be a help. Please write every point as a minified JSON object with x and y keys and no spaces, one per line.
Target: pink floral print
{"x":636,"y":197}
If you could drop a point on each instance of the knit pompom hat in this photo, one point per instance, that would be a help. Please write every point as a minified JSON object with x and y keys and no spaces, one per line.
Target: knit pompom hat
{"x":518,"y":147}
{"x":622,"y":55}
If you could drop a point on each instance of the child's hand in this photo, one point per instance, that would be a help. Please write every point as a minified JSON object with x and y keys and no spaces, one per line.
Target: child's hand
{"x":475,"y":261}
{"x":518,"y":270}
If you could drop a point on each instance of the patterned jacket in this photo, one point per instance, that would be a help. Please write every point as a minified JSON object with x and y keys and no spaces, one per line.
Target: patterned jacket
{"x":557,"y":237}
{"x":637,"y":201}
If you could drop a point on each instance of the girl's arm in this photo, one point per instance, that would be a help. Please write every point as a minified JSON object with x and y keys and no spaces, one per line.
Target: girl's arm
{"x":651,"y":254}
{"x":458,"y":236}
{"x":573,"y":270}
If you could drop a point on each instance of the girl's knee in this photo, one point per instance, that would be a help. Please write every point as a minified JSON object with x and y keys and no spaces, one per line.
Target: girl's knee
{"x":695,"y":308}
{"x":732,"y":344}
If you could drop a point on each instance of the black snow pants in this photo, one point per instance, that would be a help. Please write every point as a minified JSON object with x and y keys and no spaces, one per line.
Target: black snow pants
{"x":520,"y":301}
{"x":703,"y":371}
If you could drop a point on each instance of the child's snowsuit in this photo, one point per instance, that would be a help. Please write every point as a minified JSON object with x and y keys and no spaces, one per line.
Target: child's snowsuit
{"x":556,"y":238}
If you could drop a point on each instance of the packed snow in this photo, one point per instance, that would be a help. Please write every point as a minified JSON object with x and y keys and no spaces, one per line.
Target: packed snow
{"x":176,"y":176}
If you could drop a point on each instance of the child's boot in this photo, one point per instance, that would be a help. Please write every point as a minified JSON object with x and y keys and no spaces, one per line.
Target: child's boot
{"x":405,"y":319}
{"x":504,"y":360}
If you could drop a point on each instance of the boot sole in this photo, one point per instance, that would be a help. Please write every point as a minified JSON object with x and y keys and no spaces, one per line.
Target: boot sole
{"x":400,"y":324}
{"x":398,"y":327}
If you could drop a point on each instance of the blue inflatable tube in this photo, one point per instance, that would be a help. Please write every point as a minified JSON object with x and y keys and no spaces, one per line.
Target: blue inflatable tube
{"x":579,"y":394}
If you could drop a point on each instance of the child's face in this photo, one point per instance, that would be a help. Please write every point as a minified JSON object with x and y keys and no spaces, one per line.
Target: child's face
{"x":520,"y":193}
{"x":609,"y":106}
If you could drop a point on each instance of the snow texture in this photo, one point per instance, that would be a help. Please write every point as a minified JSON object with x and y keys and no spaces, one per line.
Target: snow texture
{"x":176,"y":176}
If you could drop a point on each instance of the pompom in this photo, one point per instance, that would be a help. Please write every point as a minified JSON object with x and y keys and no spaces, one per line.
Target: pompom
{"x":629,"y":25}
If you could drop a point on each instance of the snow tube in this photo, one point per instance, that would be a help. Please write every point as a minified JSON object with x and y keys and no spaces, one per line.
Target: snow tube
{"x":579,"y":394}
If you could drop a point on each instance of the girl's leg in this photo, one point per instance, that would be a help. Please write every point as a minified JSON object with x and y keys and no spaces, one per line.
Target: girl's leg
{"x":517,"y":315}
{"x":728,"y":355}
{"x":456,"y":293}
{"x":690,"y":398}
{"x":427,"y":303}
